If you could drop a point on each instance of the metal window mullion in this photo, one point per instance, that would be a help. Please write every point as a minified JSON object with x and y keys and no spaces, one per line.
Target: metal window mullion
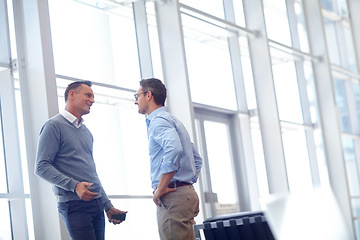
{"x":314,"y":167}
{"x":12,"y":156}
{"x":10,"y":133}
{"x":351,"y":104}
{"x":205,"y":176}
{"x":142,"y":37}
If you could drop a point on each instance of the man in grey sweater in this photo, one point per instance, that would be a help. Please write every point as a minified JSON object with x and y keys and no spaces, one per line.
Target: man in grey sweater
{"x":65,"y":159}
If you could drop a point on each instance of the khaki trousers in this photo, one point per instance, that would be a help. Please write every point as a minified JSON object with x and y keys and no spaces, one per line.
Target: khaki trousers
{"x":176,"y":214}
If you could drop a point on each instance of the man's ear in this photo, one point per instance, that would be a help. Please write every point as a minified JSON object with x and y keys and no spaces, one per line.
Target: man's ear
{"x":71,"y":95}
{"x":149,"y":96}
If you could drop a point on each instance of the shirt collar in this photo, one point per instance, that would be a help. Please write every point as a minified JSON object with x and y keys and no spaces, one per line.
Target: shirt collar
{"x":152,"y":115}
{"x":71,"y":118}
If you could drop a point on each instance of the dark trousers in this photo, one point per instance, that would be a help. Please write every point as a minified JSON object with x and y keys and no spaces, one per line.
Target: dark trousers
{"x":83,"y":220}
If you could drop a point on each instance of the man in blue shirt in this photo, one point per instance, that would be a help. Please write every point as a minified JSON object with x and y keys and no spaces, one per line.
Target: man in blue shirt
{"x":174,"y":161}
{"x":65,"y":159}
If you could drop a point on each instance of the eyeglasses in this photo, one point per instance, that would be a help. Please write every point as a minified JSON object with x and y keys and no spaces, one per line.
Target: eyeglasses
{"x":136,"y":95}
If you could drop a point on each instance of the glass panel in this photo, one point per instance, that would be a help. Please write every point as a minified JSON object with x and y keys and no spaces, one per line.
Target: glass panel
{"x":301,"y":27}
{"x":239,"y":13}
{"x":332,"y":42}
{"x":327,"y":4}
{"x":114,"y":118}
{"x":209,"y":65}
{"x":351,"y":166}
{"x":356,"y":89}
{"x":259,"y":158}
{"x":140,"y":220}
{"x":357,"y":228}
{"x":297,"y":160}
{"x":277,"y":24}
{"x":93,"y":46}
{"x":287,"y":92}
{"x":350,"y":50}
{"x":221,"y":169}
{"x":30,"y":221}
{"x":311,"y":90}
{"x":247,"y":73}
{"x":3,"y":179}
{"x":5,"y":226}
{"x":356,"y":207}
{"x":321,"y":158}
{"x":341,"y":103}
{"x":154,"y":40}
{"x":213,"y":7}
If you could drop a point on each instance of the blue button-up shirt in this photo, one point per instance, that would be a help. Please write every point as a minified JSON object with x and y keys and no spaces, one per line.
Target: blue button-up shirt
{"x":171,"y":149}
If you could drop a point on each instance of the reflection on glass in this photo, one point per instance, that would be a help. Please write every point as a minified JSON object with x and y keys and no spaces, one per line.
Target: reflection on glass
{"x":301,"y":27}
{"x":209,"y":65}
{"x":140,"y":220}
{"x":356,"y":89}
{"x":5,"y":227}
{"x":297,"y":160}
{"x":350,"y":50}
{"x":311,"y":91}
{"x":259,"y":158}
{"x":341,"y":103}
{"x":287,"y":92}
{"x":277,"y":24}
{"x":331,"y":40}
{"x":221,"y":169}
{"x":351,"y":166}
{"x":98,"y":46}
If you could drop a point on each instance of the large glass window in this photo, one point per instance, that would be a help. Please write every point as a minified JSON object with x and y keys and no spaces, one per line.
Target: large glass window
{"x":209,"y":63}
{"x":99,"y":46}
{"x":277,"y":24}
{"x":342,"y":106}
{"x":5,"y":227}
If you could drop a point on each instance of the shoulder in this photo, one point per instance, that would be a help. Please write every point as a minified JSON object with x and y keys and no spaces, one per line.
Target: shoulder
{"x":54,"y":123}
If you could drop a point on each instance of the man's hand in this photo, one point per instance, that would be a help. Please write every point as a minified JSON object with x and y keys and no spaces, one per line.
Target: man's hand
{"x":83,"y":193}
{"x":114,"y":211}
{"x":158,"y":193}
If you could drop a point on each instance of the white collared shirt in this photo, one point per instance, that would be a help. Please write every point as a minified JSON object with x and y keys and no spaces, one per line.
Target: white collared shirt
{"x":71,"y":118}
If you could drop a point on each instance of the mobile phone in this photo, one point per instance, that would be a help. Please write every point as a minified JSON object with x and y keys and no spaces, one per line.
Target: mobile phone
{"x":120,"y":216}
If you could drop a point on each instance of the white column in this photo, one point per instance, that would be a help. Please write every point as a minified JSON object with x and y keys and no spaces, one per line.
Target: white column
{"x":330,"y":122}
{"x":173,"y":59}
{"x":266,"y":98}
{"x":39,"y":102}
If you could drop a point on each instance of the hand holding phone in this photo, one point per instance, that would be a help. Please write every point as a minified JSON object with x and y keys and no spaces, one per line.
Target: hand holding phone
{"x":120,"y":216}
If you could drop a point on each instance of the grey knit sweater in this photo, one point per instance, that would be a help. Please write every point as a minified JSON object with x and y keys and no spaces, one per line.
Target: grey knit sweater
{"x":65,"y":157}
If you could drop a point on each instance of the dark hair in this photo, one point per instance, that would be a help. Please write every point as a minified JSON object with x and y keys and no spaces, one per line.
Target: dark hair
{"x":75,"y":85}
{"x":156,"y":87}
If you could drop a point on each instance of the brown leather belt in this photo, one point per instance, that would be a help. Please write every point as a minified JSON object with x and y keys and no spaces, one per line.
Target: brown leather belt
{"x":177,"y":184}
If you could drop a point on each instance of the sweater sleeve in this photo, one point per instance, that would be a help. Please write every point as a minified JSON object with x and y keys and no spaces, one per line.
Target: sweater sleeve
{"x":48,"y":146}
